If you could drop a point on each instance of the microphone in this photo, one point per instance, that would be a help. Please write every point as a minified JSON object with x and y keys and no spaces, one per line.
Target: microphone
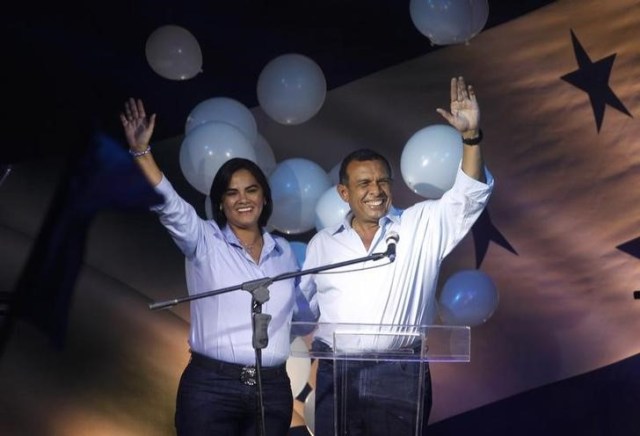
{"x":392,"y":240}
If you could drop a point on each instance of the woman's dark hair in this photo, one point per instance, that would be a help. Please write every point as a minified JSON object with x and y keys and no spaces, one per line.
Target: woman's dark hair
{"x":221,"y":184}
{"x":361,"y":155}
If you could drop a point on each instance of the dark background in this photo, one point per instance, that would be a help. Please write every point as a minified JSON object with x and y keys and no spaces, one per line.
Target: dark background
{"x":69,"y":68}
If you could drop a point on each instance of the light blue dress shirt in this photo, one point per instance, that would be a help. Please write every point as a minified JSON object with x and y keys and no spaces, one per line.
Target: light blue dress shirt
{"x":214,"y":259}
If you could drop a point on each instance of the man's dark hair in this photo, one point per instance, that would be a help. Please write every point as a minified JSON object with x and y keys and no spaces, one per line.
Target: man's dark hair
{"x":361,"y":155}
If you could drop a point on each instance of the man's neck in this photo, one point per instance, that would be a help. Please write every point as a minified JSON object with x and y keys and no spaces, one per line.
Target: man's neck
{"x":366,"y":231}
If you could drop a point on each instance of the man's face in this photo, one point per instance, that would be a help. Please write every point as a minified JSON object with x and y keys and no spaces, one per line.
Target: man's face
{"x":368,"y":190}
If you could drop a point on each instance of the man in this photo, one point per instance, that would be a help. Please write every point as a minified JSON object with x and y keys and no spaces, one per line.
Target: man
{"x":398,"y":293}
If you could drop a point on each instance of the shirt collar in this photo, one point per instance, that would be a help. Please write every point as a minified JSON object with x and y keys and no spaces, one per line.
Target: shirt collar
{"x":269,"y":241}
{"x":393,"y":216}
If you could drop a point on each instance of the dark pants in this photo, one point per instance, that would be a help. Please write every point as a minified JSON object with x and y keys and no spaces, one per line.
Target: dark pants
{"x":380,"y":397}
{"x":213,"y":401}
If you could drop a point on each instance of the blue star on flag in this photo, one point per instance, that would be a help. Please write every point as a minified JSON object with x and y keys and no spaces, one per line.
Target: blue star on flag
{"x":593,"y":78}
{"x":631,"y":247}
{"x":484,"y":232}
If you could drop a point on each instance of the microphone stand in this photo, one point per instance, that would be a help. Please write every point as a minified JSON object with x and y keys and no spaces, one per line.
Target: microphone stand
{"x":260,"y":321}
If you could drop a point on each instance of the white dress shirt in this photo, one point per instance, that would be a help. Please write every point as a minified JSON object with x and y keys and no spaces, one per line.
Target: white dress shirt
{"x":398,"y":293}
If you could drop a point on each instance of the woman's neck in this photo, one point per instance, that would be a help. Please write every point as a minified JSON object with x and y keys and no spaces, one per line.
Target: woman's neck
{"x":250,"y":239}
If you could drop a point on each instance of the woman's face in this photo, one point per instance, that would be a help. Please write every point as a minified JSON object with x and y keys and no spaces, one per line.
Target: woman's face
{"x":243,"y":200}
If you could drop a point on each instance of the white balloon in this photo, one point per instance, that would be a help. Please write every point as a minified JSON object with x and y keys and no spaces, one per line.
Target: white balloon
{"x":266,"y":160}
{"x":334,"y":174}
{"x":207,"y":147}
{"x":468,"y":297}
{"x":330,"y":209}
{"x":226,"y":110}
{"x":298,"y":368}
{"x":479,"y":16}
{"x":296,"y":186}
{"x":173,"y":53}
{"x":430,"y":160}
{"x":449,"y":21}
{"x":291,"y":89}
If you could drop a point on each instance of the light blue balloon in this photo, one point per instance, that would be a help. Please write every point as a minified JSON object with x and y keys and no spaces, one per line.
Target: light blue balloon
{"x":265,"y":158}
{"x":207,"y":147}
{"x":296,"y":185}
{"x":468,"y":297}
{"x":225,"y":110}
{"x":330,"y":209}
{"x":449,"y":21}
{"x":300,"y":251}
{"x":173,"y":53}
{"x":430,"y":160}
{"x":291,"y":88}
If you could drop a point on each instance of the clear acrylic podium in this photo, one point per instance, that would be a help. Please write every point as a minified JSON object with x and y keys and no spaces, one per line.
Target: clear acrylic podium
{"x":354,"y":347}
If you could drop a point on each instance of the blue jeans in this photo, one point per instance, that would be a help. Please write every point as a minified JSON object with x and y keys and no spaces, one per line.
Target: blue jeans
{"x":380,"y":395}
{"x":213,"y":403}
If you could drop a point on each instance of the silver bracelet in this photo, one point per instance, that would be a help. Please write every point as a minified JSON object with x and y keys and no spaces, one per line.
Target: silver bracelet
{"x":140,"y":153}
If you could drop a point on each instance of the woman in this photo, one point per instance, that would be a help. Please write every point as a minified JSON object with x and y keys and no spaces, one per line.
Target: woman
{"x":217,"y":394}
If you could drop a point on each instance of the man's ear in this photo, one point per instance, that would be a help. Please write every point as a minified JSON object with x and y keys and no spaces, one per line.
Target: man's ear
{"x":343,"y":192}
